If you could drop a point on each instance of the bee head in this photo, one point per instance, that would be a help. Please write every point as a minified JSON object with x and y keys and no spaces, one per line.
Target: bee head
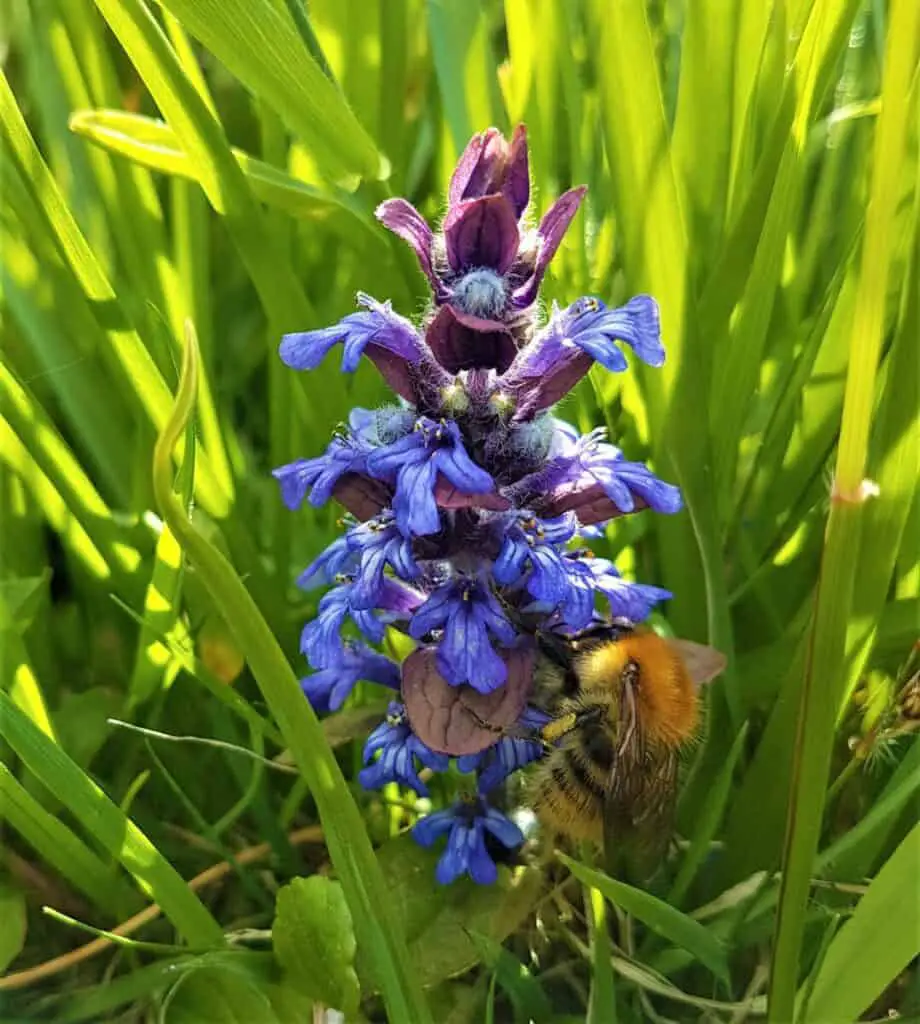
{"x":644,"y":673}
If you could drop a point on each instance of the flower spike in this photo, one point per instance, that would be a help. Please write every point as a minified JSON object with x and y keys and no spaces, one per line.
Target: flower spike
{"x":467,"y":498}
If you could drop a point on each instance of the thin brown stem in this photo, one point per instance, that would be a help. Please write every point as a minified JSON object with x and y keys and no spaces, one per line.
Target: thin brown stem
{"x":215,"y":873}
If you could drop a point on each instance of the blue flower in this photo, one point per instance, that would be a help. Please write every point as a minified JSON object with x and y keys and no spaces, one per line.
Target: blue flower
{"x":467,"y":612}
{"x":334,"y":561}
{"x":388,"y":339}
{"x":347,"y":453}
{"x":622,"y":481}
{"x":465,"y":495}
{"x":547,"y":369}
{"x":327,"y":689}
{"x":576,"y":610}
{"x":321,"y":639}
{"x":399,"y":748}
{"x":632,"y":601}
{"x":534,"y":544}
{"x":377,"y":325}
{"x":465,"y":825}
{"x":377,"y":544}
{"x":413,"y":462}
{"x":595,"y":329}
{"x":514,"y":750}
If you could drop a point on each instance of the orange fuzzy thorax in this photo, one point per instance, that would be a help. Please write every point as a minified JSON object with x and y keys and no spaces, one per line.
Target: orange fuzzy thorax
{"x":666,"y":701}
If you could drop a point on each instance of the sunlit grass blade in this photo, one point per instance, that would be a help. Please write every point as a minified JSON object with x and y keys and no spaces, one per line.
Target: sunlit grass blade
{"x":140,"y":371}
{"x":152,"y":143}
{"x":202,"y":138}
{"x":260,"y":44}
{"x":822,"y":684}
{"x":53,"y":459}
{"x":465,"y":67}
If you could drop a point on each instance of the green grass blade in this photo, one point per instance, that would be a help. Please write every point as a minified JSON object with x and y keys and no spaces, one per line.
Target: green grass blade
{"x":602,"y":1004}
{"x":702,"y":126}
{"x":138,"y":368}
{"x":58,"y":846}
{"x":464,"y":66}
{"x":821,"y":688}
{"x":259,"y":43}
{"x":202,"y":138}
{"x":661,"y":917}
{"x":882,"y":936}
{"x":53,"y":459}
{"x":118,"y":834}
{"x":374,"y":915}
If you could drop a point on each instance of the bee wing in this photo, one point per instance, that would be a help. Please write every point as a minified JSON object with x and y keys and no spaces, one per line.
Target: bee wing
{"x":639,"y":814}
{"x":703,"y":663}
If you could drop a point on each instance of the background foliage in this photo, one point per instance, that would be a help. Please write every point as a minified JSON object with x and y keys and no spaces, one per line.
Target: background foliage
{"x":753,"y":165}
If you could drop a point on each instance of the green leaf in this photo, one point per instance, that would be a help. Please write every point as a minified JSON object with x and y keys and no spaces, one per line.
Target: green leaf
{"x":439,"y":919}
{"x":522,"y":988}
{"x":882,"y":937}
{"x":370,"y":903}
{"x":212,"y":995}
{"x":661,"y":917}
{"x":259,"y":43}
{"x":80,"y":719}
{"x":12,"y":924}
{"x":824,"y":678}
{"x":315,"y":942}
{"x":464,"y":66}
{"x":708,"y":821}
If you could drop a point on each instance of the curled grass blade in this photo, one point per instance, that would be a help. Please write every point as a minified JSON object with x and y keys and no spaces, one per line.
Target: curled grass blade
{"x":375,"y":917}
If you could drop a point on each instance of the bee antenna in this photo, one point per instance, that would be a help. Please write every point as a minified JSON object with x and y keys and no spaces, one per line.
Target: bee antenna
{"x":631,"y":701}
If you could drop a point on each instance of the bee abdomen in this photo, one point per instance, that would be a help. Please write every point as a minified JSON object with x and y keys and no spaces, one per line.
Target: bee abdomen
{"x":567,"y":799}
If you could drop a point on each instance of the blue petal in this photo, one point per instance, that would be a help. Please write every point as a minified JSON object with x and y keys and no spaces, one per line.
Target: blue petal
{"x":490,"y":612}
{"x":415,"y":505}
{"x":480,"y":865}
{"x":427,"y":831}
{"x":294,"y":479}
{"x":548,"y":580}
{"x":307,"y":349}
{"x":386,"y":462}
{"x":658,"y":495}
{"x":433,"y":613}
{"x":465,"y":653}
{"x":601,"y":350}
{"x":455,"y":859}
{"x":462,"y":472}
{"x":504,"y":829}
{"x":432,"y":759}
{"x":509,"y":566}
{"x":324,"y":568}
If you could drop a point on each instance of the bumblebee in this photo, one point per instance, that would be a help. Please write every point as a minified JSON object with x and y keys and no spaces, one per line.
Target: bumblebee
{"x":623,"y":704}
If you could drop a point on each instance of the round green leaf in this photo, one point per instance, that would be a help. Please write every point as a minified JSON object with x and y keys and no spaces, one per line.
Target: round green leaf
{"x":315,"y":942}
